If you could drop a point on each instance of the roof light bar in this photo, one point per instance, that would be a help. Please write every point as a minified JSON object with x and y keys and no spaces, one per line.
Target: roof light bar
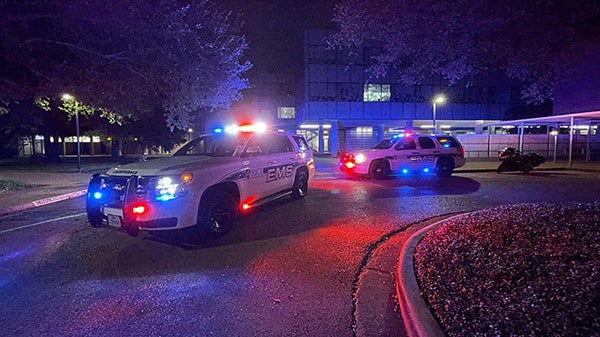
{"x":257,"y":127}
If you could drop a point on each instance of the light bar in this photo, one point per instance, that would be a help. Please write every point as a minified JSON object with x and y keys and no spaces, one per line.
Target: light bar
{"x":257,"y":127}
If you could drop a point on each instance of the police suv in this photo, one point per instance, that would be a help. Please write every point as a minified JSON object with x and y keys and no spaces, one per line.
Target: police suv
{"x":406,"y":153}
{"x":206,"y":183}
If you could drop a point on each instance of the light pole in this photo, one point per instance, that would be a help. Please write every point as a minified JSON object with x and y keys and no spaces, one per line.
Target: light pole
{"x":436,"y":100}
{"x":190,"y":130}
{"x":68,"y":97}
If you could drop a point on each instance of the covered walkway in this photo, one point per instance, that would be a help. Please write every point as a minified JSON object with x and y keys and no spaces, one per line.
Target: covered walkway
{"x":583,"y":123}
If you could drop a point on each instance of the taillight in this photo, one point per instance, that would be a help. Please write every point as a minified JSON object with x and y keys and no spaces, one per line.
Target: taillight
{"x":348,"y":161}
{"x":462,"y":151}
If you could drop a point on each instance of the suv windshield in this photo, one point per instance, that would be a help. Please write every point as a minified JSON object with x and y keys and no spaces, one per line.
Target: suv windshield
{"x":385,"y":144}
{"x":218,"y":145}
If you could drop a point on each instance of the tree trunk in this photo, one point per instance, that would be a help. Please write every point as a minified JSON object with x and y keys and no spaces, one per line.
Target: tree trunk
{"x":114,"y":151}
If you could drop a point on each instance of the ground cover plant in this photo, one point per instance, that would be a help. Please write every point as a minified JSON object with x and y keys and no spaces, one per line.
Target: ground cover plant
{"x":11,"y":184}
{"x":518,"y":270}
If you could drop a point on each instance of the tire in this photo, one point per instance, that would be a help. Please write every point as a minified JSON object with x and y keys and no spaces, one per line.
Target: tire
{"x":444,"y":167}
{"x":216,"y":214}
{"x":132,"y":229}
{"x":300,"y":187}
{"x":94,"y":217}
{"x":379,"y":170}
{"x":501,"y":167}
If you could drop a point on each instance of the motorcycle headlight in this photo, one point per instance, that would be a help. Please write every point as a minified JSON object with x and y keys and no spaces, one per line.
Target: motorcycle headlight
{"x":169,"y":187}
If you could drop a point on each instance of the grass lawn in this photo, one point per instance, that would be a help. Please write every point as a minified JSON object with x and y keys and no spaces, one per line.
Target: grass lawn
{"x":7,"y":184}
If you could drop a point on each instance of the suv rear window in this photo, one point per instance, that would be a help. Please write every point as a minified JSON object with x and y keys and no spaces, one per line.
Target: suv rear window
{"x":447,"y":141}
{"x":426,"y":143}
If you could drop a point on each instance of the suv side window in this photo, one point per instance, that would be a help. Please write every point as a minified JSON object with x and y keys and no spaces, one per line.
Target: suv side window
{"x":406,"y":144}
{"x":426,"y":143}
{"x":447,"y":142}
{"x":279,"y":144}
{"x":302,"y":145}
{"x":256,"y":146}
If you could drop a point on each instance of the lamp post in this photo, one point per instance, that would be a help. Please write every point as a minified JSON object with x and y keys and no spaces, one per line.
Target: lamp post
{"x":190,"y":130}
{"x":554,"y":133}
{"x":69,"y":97}
{"x":436,"y":100}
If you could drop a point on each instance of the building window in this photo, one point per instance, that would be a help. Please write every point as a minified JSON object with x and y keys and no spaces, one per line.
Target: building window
{"x":364,"y":130}
{"x":376,"y":92}
{"x":286,"y":112}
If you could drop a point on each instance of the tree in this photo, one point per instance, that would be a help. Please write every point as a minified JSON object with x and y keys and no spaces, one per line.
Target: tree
{"x":529,"y":39}
{"x":157,"y":60}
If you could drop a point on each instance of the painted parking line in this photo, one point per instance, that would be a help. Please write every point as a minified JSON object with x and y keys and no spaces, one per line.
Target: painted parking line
{"x":41,"y":223}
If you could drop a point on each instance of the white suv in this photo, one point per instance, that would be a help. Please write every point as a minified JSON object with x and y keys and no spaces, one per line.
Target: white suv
{"x":406,"y":153}
{"x":205,"y":183}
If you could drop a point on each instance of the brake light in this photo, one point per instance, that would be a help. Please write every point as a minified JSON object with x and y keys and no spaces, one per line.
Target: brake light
{"x":462,"y":151}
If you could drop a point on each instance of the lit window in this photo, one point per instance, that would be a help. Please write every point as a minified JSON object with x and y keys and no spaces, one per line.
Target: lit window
{"x":377,"y":92}
{"x":286,"y":112}
{"x":364,"y":130}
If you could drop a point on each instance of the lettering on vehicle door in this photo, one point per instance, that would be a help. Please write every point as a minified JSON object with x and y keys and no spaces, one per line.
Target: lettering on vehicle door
{"x":279,"y":172}
{"x":421,"y":159}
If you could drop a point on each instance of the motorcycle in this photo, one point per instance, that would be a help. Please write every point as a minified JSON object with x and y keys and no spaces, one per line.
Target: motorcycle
{"x":513,"y":160}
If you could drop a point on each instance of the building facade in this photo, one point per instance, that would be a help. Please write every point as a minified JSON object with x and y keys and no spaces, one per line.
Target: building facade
{"x":345,"y":108}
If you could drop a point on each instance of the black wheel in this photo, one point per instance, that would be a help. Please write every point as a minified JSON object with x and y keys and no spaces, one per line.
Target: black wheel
{"x":94,"y":216}
{"x":132,"y":229}
{"x":444,"y":167}
{"x":379,"y":170}
{"x":93,"y":206}
{"x":501,"y":167}
{"x":217,"y":213}
{"x":300,"y":187}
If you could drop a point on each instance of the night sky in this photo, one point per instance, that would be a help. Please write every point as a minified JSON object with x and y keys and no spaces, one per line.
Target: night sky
{"x":274,"y":30}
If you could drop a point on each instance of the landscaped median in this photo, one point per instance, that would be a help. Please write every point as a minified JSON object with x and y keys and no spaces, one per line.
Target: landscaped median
{"x":8,"y":184}
{"x":518,"y":270}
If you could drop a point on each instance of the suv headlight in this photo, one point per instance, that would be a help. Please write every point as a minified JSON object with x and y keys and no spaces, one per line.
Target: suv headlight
{"x":360,"y":158}
{"x":170,"y":187}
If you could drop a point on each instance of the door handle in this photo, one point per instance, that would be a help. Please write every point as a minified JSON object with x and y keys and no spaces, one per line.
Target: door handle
{"x":246,"y":162}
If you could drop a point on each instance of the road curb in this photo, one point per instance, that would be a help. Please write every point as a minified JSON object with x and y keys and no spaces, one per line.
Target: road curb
{"x":418,"y":320}
{"x":42,"y":202}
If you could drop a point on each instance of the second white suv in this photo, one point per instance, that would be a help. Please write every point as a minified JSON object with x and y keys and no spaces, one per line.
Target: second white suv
{"x":406,"y":153}
{"x":204,"y":184}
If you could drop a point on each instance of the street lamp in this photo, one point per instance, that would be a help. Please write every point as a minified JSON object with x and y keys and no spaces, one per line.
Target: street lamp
{"x":68,"y":97}
{"x":190,"y":130}
{"x":436,"y":100}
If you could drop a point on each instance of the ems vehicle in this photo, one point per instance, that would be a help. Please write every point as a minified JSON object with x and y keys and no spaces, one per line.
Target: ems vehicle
{"x":406,"y":154}
{"x":205,"y":183}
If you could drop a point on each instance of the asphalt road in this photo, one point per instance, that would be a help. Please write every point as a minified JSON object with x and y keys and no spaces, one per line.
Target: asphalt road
{"x":291,"y":268}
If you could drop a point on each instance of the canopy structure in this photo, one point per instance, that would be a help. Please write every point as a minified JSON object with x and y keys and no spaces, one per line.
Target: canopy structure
{"x":588,"y":119}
